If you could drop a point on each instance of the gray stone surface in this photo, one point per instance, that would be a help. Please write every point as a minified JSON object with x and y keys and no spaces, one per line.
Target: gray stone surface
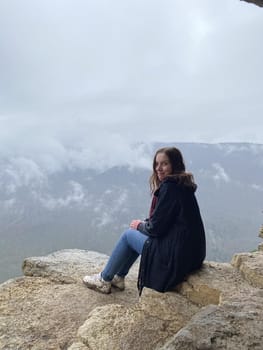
{"x":145,"y":325}
{"x":231,"y":326}
{"x":256,"y":2}
{"x":64,"y":266}
{"x":250,"y":266}
{"x":45,"y":309}
{"x":216,"y":308}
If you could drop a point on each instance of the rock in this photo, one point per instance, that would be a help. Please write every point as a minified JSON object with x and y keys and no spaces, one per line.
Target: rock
{"x":210,"y":284}
{"x":64,"y":266}
{"x":231,"y":326}
{"x":145,"y":325}
{"x":256,"y":2}
{"x":78,"y":346}
{"x":157,"y":317}
{"x":217,"y":307}
{"x":250,"y":265}
{"x":37,"y":312}
{"x":45,"y":313}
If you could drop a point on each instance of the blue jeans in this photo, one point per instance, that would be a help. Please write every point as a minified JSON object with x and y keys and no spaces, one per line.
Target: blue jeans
{"x":126,"y":251}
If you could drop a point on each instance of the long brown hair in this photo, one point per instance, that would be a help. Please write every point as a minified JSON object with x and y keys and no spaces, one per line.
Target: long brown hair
{"x":178,"y":169}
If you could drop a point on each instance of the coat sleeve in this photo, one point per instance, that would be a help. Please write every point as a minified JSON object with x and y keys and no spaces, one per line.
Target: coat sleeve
{"x":164,"y":214}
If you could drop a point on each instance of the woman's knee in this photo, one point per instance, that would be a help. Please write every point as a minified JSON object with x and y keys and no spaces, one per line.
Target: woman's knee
{"x":127,"y":234}
{"x":135,"y":239}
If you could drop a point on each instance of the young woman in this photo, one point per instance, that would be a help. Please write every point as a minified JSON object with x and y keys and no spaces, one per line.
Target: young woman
{"x":171,"y":241}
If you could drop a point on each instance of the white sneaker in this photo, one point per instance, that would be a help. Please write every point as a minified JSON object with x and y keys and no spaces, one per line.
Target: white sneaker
{"x":97,"y":283}
{"x":118,"y":282}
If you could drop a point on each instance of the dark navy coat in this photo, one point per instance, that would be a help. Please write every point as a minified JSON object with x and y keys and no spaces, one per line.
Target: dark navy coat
{"x":176,"y":245}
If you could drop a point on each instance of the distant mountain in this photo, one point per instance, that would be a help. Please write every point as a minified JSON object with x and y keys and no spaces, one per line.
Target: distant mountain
{"x":89,"y":209}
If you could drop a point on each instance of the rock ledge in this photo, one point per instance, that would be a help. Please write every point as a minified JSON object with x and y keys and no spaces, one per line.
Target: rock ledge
{"x":219,"y":307}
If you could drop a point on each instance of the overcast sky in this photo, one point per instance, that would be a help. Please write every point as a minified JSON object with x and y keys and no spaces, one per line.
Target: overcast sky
{"x":88,"y":81}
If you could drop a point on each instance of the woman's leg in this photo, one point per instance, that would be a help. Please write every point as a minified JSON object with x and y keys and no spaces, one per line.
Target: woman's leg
{"x":126,"y":251}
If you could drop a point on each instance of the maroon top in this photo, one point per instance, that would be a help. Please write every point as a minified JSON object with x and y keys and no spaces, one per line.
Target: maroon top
{"x":153,"y":205}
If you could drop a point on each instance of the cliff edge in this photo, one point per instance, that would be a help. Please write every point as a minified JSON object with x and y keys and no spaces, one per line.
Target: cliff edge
{"x":219,"y":307}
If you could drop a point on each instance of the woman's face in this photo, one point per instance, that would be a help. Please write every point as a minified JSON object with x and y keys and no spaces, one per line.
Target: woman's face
{"x":163,"y":166}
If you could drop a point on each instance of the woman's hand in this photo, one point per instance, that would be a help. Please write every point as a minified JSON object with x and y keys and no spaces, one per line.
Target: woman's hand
{"x":134,"y":224}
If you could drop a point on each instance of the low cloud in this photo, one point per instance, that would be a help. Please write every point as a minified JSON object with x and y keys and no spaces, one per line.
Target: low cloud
{"x":221,"y":174}
{"x":257,"y":187}
{"x":75,"y":196}
{"x":20,"y":172}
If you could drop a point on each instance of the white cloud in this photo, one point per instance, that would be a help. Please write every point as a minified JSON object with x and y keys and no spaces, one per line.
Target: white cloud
{"x":105,"y":219}
{"x":108,"y":211}
{"x":76,"y":196}
{"x":19,"y":172}
{"x":118,"y":203}
{"x":257,"y":187}
{"x":221,"y":174}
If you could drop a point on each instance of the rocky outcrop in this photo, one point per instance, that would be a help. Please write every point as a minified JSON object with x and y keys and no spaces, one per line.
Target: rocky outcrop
{"x":256,"y":2}
{"x":44,"y":309}
{"x":233,"y":325}
{"x":218,"y":307}
{"x":250,"y":266}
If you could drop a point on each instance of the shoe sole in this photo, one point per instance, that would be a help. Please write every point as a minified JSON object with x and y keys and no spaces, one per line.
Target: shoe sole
{"x":120,"y":288}
{"x":91,"y":286}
